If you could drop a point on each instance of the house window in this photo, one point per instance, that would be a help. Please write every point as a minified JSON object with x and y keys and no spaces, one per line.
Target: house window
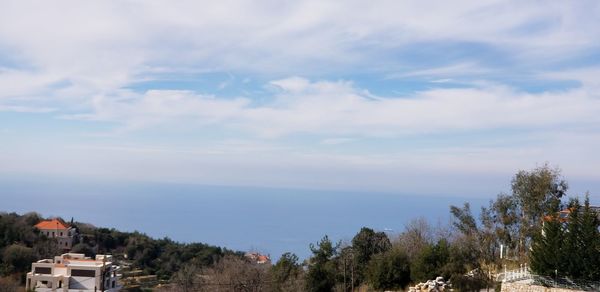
{"x":52,"y":233}
{"x":83,"y":273}
{"x":42,"y":270}
{"x":61,"y":233}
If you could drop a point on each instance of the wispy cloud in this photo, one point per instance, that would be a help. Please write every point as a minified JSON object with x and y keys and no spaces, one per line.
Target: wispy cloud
{"x":313,"y":90}
{"x":336,"y":141}
{"x":24,"y":109}
{"x":301,"y":106}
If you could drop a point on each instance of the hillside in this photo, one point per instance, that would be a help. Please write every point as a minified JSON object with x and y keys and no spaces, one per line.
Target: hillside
{"x":21,"y":244}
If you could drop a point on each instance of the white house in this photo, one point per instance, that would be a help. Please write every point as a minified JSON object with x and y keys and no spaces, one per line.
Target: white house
{"x":73,"y":272}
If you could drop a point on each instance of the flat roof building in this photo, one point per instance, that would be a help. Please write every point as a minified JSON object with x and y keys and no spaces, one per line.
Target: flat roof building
{"x":73,"y":272}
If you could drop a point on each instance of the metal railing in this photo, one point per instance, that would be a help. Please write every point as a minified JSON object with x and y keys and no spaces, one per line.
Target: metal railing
{"x":566,"y":283}
{"x":524,"y":274}
{"x":520,"y":274}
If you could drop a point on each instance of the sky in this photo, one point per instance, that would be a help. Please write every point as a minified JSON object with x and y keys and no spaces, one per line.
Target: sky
{"x":419,"y":97}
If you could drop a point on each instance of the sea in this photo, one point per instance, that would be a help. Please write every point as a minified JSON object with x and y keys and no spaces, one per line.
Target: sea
{"x":267,"y":220}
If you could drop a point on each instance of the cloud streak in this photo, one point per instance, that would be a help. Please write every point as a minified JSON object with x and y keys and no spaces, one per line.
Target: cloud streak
{"x":340,"y":108}
{"x":316,"y":90}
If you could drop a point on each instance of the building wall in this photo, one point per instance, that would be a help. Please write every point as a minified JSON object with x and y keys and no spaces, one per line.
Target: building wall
{"x":522,"y":287}
{"x":64,"y":237}
{"x":85,"y":275}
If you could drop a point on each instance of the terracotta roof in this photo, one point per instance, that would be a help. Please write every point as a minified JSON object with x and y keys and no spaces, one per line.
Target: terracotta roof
{"x":52,"y":224}
{"x":263,"y":258}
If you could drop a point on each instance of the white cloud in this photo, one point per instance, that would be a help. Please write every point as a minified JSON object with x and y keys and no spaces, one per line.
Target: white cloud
{"x":340,"y":108}
{"x":23,"y":109}
{"x":454,"y":70}
{"x":78,"y":59}
{"x":110,"y":43}
{"x":138,"y":111}
{"x":336,"y":141}
{"x":100,"y":47}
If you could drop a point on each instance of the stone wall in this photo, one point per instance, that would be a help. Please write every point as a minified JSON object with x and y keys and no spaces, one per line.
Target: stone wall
{"x":523,"y":287}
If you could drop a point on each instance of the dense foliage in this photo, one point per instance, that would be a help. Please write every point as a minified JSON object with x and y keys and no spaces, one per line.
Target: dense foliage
{"x":21,"y":244}
{"x":568,"y":246}
{"x":466,"y":252}
{"x":389,"y":270}
{"x":322,"y":273}
{"x":526,"y":223}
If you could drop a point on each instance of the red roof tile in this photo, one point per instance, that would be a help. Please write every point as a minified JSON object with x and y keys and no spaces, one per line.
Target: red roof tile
{"x":52,"y":224}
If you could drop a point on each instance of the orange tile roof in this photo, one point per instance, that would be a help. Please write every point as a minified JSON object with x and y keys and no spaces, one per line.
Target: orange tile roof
{"x":52,"y":224}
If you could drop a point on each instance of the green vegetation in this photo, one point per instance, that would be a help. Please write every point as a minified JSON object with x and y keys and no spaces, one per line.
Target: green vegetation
{"x":527,"y":223}
{"x":468,"y":251}
{"x":365,"y":245}
{"x":389,"y":270}
{"x":287,"y":274}
{"x":21,"y":244}
{"x":568,"y":247}
{"x":322,"y":273}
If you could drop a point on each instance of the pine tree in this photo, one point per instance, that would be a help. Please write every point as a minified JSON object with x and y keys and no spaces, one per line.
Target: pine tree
{"x":546,"y":255}
{"x":571,"y":251}
{"x":321,"y":271}
{"x":590,"y":243}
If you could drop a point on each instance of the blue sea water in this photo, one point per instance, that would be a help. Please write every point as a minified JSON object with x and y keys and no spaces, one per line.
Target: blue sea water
{"x":272,"y":221}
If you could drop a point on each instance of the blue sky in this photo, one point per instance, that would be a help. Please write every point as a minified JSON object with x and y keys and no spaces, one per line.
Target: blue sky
{"x":411,"y":96}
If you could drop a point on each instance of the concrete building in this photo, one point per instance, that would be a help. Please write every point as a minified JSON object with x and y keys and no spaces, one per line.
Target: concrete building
{"x":73,"y":272}
{"x":55,"y":228}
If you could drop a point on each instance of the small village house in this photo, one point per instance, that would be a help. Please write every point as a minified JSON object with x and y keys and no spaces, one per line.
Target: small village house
{"x":62,"y":232}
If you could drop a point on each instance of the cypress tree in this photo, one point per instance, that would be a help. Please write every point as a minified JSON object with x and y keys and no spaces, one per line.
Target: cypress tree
{"x":590,"y":243}
{"x":546,"y":255}
{"x":571,"y":251}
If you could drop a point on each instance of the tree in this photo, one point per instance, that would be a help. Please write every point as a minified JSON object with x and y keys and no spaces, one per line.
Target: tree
{"x":186,"y":278}
{"x":18,"y":258}
{"x":234,"y":273}
{"x":416,"y":236}
{"x":571,"y":251}
{"x":83,"y":248}
{"x":464,"y":265}
{"x":347,"y":268}
{"x":321,"y":271}
{"x":590,"y":242}
{"x":365,"y":244}
{"x":546,"y":255}
{"x":506,"y":219}
{"x":389,"y":270}
{"x":430,"y":262}
{"x":464,"y":220}
{"x":535,"y":192}
{"x":569,"y":242}
{"x":287,"y":273}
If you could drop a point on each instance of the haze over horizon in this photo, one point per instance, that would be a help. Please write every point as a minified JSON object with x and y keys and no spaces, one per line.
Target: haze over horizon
{"x":416,"y":97}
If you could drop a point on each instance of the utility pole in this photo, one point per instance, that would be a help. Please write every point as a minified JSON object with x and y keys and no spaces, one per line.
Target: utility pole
{"x":352,"y":268}
{"x":103,"y":273}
